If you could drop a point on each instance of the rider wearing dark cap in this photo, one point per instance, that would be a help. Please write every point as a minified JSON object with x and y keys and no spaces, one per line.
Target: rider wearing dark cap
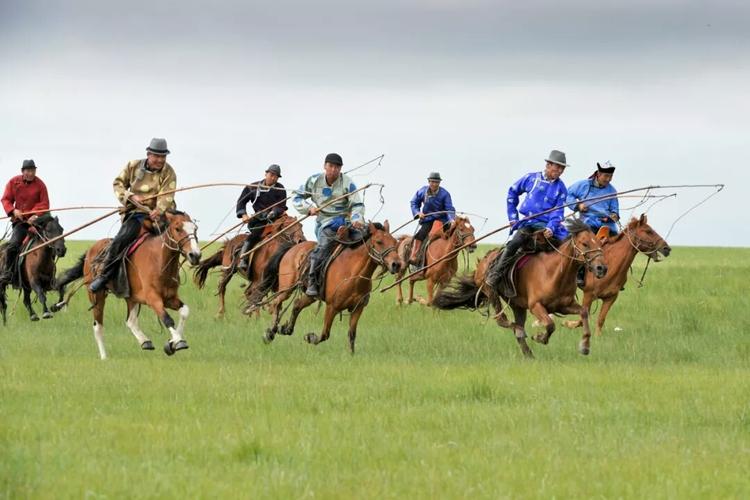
{"x":23,"y":193}
{"x":598,"y":214}
{"x":262,"y":194}
{"x":430,"y":203}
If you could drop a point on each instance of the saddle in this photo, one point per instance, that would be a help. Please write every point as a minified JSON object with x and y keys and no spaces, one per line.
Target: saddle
{"x":119,"y":285}
{"x":504,"y":279}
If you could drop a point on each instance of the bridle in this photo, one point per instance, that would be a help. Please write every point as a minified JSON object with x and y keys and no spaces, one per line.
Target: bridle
{"x":377,"y":256}
{"x":168,"y":240}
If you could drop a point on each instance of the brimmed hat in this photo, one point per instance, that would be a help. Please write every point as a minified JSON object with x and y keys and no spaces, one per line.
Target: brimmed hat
{"x":334,"y":158}
{"x":605,"y":168}
{"x":434,"y":176}
{"x":557,"y":157}
{"x":158,"y":146}
{"x":28,"y":164}
{"x":274,"y":169}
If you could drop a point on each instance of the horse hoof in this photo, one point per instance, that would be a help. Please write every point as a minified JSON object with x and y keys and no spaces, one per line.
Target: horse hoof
{"x":539,"y":338}
{"x":180,"y":345}
{"x":47,"y":315}
{"x":57,"y":307}
{"x":168,"y":350}
{"x":147,"y":346}
{"x":34,"y":317}
{"x":285,"y":330}
{"x":584,"y":350}
{"x":310,"y":338}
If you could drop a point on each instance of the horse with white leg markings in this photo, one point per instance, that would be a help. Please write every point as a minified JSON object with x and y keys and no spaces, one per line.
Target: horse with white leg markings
{"x":153,"y":278}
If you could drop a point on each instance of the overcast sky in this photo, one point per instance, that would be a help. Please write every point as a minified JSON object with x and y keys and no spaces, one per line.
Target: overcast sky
{"x":479,"y":91}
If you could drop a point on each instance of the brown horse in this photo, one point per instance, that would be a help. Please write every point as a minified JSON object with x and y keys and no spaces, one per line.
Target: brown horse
{"x":347,"y":283}
{"x":153,"y":274}
{"x":460,"y":233}
{"x":37,"y":272}
{"x":619,"y":253}
{"x":227,"y":257}
{"x":545,"y":284}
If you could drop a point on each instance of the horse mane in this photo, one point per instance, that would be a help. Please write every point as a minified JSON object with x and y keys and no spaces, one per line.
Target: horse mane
{"x":576,"y":226}
{"x":365,"y":236}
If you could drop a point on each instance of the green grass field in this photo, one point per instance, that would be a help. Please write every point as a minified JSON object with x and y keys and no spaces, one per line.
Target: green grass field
{"x":434,"y":404}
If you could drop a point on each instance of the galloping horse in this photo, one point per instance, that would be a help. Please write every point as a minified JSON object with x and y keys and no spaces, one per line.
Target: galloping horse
{"x":347,"y":282}
{"x":37,"y":271}
{"x":460,"y":233}
{"x":227,"y":257}
{"x":153,"y":275}
{"x":619,"y":253}
{"x":545,"y":284}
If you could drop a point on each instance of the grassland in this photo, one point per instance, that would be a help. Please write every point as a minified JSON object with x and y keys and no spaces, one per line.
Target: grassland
{"x":434,"y":404}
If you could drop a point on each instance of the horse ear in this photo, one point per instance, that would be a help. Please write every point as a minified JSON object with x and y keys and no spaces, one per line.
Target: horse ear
{"x":643,"y":219}
{"x":387,"y":226}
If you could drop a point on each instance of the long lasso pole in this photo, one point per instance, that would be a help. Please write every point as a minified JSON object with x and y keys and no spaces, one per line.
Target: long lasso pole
{"x":321,"y":207}
{"x":533,"y":216}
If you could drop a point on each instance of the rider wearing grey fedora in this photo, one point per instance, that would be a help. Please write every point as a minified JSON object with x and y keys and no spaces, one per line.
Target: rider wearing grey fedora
{"x":262,"y":195}
{"x":430,"y":203}
{"x":139,"y":179}
{"x":544,"y":190}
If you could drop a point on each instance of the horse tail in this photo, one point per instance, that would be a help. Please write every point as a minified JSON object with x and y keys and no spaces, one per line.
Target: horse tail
{"x":70,"y":275}
{"x":271,"y":272}
{"x":201,"y":272}
{"x":463,"y":294}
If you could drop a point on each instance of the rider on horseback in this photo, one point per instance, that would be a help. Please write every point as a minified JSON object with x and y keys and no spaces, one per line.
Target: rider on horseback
{"x":544,"y":191}
{"x":138,"y":180}
{"x":430,"y":203}
{"x":601,"y":216}
{"x":317,"y":190}
{"x":23,"y":193}
{"x":262,"y":194}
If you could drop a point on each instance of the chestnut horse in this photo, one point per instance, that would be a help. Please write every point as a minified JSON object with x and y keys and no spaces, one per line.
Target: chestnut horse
{"x":153,"y":274}
{"x":348,"y":281}
{"x":460,"y":233}
{"x":227,"y":257}
{"x":619,"y":252}
{"x":545,"y":284}
{"x":37,"y":272}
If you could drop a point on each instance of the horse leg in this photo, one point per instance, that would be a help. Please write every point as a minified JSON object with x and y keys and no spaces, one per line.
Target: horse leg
{"x":584,"y":345}
{"x":588,"y":299}
{"x":27,"y":303}
{"x":176,"y":342}
{"x":276,"y":315}
{"x":519,"y":315}
{"x":3,"y":304}
{"x":542,"y":316}
{"x":399,"y":294}
{"x":330,"y":315}
{"x":132,"y":323}
{"x":606,"y":305}
{"x":226,"y":277}
{"x":46,"y":314}
{"x":353,"y":320}
{"x":302,"y":301}
{"x":98,"y":310}
{"x":430,"y":293}
{"x":183,"y":310}
{"x":411,"y":292}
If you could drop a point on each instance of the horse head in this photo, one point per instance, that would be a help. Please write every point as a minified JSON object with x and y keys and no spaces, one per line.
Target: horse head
{"x":646,"y":240}
{"x":295,"y":234}
{"x":587,"y":247}
{"x":463,"y":231}
{"x":50,"y":228}
{"x":381,"y":246}
{"x":182,"y":235}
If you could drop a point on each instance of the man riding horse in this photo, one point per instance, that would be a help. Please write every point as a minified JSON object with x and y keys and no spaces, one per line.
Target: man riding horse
{"x":24,"y":193}
{"x":430,"y":203}
{"x":349,"y":211}
{"x":544,"y":191}
{"x":139,"y":179}
{"x":262,"y":195}
{"x":601,"y":216}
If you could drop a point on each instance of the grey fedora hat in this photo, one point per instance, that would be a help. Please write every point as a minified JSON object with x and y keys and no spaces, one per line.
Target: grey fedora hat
{"x":434,"y":176}
{"x":158,"y":146}
{"x":557,"y":157}
{"x":28,"y":164}
{"x":274,"y":169}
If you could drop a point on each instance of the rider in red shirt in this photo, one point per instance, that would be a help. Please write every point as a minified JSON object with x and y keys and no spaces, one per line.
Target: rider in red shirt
{"x":24,"y":193}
